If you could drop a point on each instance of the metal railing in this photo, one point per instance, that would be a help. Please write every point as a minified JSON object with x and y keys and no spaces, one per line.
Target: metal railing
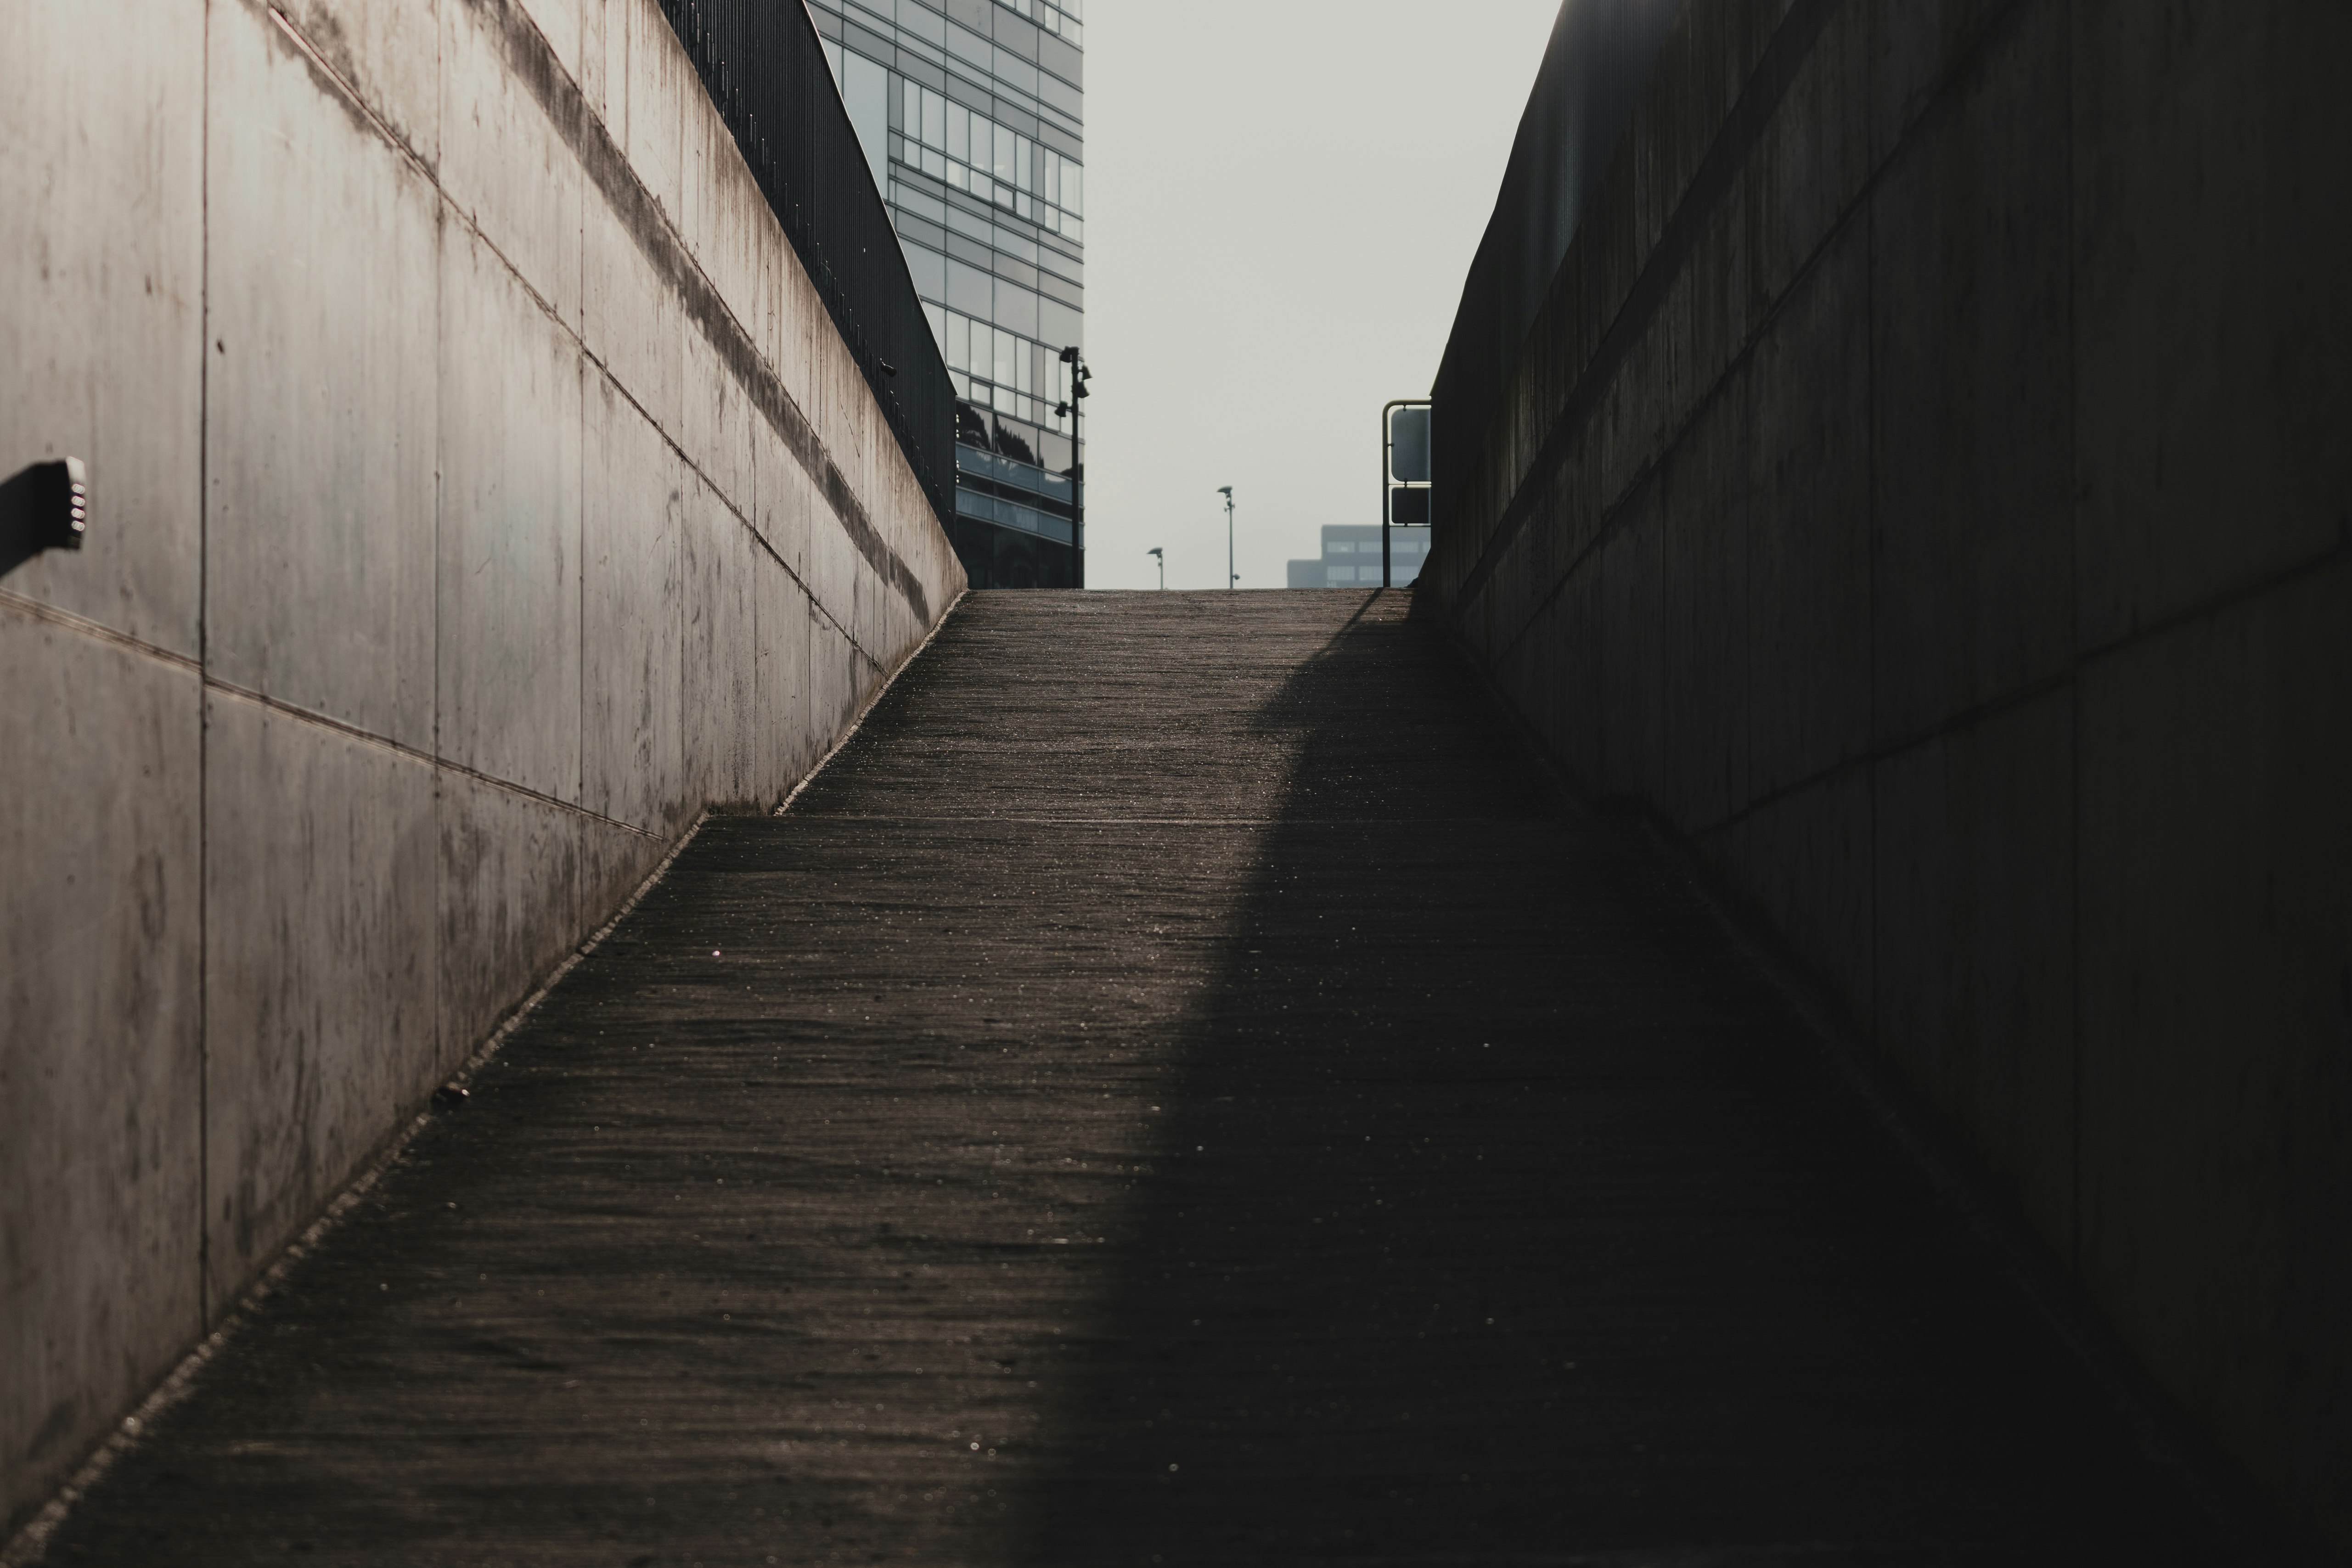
{"x":765,"y":68}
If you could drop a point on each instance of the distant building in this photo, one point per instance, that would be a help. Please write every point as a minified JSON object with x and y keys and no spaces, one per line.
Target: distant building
{"x":969,"y":114}
{"x":1351,"y":557}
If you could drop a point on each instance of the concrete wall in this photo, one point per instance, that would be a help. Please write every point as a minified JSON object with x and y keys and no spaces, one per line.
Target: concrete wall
{"x":1926,"y":489}
{"x":480,"y":490}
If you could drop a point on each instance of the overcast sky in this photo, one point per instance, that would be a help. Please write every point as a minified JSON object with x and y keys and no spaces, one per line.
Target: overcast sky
{"x":1282,"y":196}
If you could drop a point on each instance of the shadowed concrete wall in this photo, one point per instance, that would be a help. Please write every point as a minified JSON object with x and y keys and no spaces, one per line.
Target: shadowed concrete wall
{"x":480,"y":490}
{"x":1924,"y":486}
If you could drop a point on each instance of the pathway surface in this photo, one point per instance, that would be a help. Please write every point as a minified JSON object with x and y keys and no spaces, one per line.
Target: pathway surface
{"x":1177,"y":1089}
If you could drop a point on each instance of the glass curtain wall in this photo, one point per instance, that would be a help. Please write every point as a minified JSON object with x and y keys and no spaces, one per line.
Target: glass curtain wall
{"x":969,"y":114}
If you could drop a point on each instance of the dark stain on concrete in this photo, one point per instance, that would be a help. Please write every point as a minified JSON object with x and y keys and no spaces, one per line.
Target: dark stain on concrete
{"x":334,"y":55}
{"x":1177,"y":1088}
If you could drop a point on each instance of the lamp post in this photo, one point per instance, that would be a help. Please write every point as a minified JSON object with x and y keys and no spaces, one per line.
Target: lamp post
{"x":1068,"y":409}
{"x":1163,"y":560}
{"x":1232,"y":576}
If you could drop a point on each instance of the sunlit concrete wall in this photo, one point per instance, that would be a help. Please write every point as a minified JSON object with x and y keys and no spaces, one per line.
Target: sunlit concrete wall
{"x":1926,"y":489}
{"x":479,"y":491}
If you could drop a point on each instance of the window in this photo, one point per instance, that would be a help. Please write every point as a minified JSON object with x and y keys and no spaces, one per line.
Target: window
{"x":970,"y":290}
{"x":995,"y":163}
{"x":1004,"y":370}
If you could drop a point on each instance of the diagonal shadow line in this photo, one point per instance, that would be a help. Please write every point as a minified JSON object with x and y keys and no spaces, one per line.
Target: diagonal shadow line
{"x":1502,"y":1215}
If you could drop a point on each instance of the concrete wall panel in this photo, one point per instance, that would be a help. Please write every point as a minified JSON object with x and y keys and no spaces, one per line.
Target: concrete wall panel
{"x":605,"y":60}
{"x":503,"y":164}
{"x":592,"y":70}
{"x":615,"y":861}
{"x":1973,"y":569}
{"x":2211,"y":446}
{"x":1574,"y":625}
{"x":720,"y":703}
{"x":633,"y":612}
{"x":101,"y":297}
{"x":784,"y":502}
{"x":779,"y":643}
{"x":1973,"y":946}
{"x":660,"y":79}
{"x":718,"y":198}
{"x":101,"y":1057}
{"x":1632,"y":621}
{"x":629,"y":324}
{"x":319,"y":580}
{"x":715,"y":423}
{"x":1806,"y":857}
{"x":1704,"y":652}
{"x":2217,"y":1018}
{"x":319,"y":1008}
{"x":1915,"y":45}
{"x":510,"y":904}
{"x":1809,"y":507}
{"x":1813,"y":157}
{"x":510,"y":639}
{"x":566,"y":25}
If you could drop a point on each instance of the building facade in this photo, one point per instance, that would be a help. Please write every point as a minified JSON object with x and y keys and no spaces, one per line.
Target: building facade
{"x":969,"y":114}
{"x":1351,"y":557}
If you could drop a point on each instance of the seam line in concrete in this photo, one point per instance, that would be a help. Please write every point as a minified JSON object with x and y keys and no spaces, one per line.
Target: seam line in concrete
{"x":2035,"y":690}
{"x":34,"y":610}
{"x":278,"y":705}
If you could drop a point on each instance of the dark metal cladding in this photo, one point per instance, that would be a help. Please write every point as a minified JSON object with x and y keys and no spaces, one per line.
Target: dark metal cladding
{"x":1595,"y":71}
{"x":764,"y":65}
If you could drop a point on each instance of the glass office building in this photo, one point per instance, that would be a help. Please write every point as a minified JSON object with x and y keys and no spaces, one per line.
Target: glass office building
{"x":969,"y":113}
{"x":1351,"y":556}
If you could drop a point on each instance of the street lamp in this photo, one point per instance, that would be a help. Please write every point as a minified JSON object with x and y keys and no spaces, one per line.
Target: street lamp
{"x":1068,"y":409}
{"x":1232,"y":576}
{"x":1154,"y":553}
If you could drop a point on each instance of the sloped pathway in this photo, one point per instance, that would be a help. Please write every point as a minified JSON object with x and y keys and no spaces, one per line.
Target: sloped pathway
{"x":1178,"y":1089}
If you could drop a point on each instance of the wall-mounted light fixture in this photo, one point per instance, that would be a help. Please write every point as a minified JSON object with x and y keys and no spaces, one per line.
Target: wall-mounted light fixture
{"x":45,"y":507}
